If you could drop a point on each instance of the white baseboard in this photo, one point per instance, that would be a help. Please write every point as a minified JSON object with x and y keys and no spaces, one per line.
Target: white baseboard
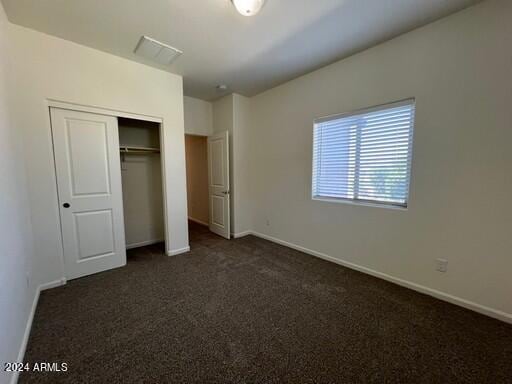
{"x":144,"y":243}
{"x":497,"y":314}
{"x":175,"y":252}
{"x":241,"y":234}
{"x":52,"y":284}
{"x":26,"y":335}
{"x":198,"y":221}
{"x":30,"y":319}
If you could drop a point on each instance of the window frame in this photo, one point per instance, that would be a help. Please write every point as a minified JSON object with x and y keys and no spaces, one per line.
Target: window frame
{"x":365,"y":202}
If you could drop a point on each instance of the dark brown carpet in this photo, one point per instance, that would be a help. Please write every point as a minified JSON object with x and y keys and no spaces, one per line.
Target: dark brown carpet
{"x":250,"y":311}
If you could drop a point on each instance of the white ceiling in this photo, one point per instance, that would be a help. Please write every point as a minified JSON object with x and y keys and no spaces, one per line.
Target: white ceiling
{"x":249,"y":54}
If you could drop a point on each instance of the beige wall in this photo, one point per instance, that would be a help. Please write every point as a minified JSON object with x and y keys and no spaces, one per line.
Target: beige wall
{"x":17,"y":288}
{"x":242,"y":180}
{"x":459,"y":71}
{"x":231,"y":113}
{"x":197,"y":178}
{"x":52,"y":68}
{"x":198,"y":116}
{"x":223,"y":121}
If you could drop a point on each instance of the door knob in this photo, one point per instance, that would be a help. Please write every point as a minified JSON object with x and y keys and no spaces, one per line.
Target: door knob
{"x":66,"y":205}
{"x":225,"y":193}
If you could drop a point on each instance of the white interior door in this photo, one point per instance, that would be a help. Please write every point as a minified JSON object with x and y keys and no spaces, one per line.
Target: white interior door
{"x":88,"y":170}
{"x":218,"y":183}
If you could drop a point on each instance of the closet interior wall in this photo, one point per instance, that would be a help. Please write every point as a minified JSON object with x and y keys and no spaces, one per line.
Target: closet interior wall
{"x":141,"y":174}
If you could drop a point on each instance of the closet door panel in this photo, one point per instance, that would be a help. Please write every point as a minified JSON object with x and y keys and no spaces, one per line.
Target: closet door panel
{"x":88,"y":157}
{"x":95,"y":229}
{"x":87,"y":164}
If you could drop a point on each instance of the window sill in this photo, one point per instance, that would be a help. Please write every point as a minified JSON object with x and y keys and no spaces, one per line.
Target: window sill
{"x":363,"y":203}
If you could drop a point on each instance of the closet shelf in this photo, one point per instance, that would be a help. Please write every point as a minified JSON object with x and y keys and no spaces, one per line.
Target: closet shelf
{"x":138,"y":150}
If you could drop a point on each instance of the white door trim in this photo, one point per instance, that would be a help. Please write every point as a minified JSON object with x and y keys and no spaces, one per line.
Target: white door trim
{"x":52,"y":103}
{"x":102,"y":111}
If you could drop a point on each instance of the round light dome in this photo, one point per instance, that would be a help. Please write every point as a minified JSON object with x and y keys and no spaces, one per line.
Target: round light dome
{"x":248,"y":7}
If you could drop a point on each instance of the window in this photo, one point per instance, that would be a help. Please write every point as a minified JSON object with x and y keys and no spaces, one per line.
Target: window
{"x":365,"y":156}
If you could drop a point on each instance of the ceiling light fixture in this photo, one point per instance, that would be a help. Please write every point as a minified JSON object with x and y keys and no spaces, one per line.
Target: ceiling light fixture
{"x":248,"y":7}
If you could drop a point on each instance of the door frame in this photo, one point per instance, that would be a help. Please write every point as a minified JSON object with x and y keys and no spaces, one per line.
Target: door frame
{"x":51,"y":103}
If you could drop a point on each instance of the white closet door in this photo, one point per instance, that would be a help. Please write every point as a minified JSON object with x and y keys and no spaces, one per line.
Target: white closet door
{"x":88,"y":170}
{"x":218,"y":180}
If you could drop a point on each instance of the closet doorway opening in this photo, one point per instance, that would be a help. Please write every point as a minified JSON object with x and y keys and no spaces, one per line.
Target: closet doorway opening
{"x":110,"y":179}
{"x":141,"y":175}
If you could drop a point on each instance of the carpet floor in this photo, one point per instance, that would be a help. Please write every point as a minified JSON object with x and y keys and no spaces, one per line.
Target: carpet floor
{"x":251,"y":311}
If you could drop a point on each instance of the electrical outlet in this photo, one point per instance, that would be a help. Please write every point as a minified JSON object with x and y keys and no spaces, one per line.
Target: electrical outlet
{"x":441,"y":265}
{"x":267,"y":222}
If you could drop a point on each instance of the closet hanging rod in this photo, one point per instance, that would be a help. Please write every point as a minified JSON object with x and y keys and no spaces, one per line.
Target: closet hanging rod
{"x":135,"y":150}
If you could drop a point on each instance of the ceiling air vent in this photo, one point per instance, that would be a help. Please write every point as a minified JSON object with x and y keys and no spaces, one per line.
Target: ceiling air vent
{"x":156,"y":51}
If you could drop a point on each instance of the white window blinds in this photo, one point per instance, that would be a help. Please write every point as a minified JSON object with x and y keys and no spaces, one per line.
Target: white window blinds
{"x":365,"y":156}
